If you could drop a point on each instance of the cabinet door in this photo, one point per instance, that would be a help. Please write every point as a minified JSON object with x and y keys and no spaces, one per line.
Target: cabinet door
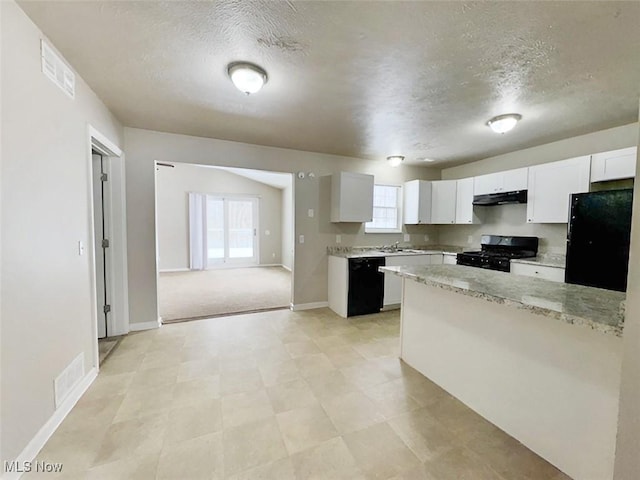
{"x":393,"y":283}
{"x":351,"y":197}
{"x":555,"y":274}
{"x":338,"y":287}
{"x":464,"y":201}
{"x":484,"y":184}
{"x":448,"y":259}
{"x":417,"y":202}
{"x":551,"y":186}
{"x":436,"y":259}
{"x":515,"y":180}
{"x":614,"y":165}
{"x":443,"y":201}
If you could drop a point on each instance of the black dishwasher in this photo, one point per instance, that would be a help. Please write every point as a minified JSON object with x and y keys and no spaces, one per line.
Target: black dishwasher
{"x":366,"y":286}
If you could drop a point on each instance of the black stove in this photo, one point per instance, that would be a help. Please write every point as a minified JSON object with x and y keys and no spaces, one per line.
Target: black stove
{"x":497,"y":251}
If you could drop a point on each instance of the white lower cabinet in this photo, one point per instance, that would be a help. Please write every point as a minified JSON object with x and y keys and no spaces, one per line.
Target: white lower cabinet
{"x":450,"y":259}
{"x":546,"y":272}
{"x":393,"y":283}
{"x":338,"y":288}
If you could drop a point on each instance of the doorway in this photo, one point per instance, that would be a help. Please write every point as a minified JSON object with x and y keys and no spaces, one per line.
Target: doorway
{"x":101,"y":241}
{"x":225,"y":240}
{"x":231,"y":230}
{"x":107,"y":242}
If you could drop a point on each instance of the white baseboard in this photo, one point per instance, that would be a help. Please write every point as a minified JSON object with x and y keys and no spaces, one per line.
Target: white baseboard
{"x":137,"y":327}
{"x":38,"y":441}
{"x":172,"y":270}
{"x":308,"y":306}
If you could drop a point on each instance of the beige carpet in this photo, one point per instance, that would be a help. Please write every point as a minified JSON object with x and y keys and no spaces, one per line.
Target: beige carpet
{"x":186,"y":295}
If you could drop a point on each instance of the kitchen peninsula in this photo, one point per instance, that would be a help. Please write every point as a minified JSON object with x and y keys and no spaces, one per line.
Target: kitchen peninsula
{"x":539,"y":359}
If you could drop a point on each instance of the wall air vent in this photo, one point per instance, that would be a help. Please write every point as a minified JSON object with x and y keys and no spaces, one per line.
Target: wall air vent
{"x":68,"y":379}
{"x":57,"y":71}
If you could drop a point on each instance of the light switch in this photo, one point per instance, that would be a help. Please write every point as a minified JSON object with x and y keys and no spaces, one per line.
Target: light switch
{"x":311,"y":213}
{"x":338,"y":238}
{"x":470,"y":239}
{"x":300,"y":238}
{"x":407,"y":237}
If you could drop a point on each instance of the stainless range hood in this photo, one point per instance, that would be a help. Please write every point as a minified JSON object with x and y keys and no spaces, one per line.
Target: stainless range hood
{"x":503,"y":198}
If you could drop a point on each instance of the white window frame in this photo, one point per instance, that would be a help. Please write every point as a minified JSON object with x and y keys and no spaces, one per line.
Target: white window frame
{"x":398,"y":227}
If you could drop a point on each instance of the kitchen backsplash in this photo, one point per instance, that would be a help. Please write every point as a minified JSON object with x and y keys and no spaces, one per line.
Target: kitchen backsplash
{"x":505,"y":220}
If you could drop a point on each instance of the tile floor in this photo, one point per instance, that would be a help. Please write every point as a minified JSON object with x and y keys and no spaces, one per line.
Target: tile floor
{"x":278,"y":395}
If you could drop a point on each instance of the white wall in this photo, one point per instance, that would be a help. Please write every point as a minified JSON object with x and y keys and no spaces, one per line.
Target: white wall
{"x":628,"y":441}
{"x":310,"y":260}
{"x":287,"y":227}
{"x":510,"y":219}
{"x":46,"y":286}
{"x":172,"y":196}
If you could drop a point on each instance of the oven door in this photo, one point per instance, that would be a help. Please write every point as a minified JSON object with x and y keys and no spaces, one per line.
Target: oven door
{"x":469,"y":260}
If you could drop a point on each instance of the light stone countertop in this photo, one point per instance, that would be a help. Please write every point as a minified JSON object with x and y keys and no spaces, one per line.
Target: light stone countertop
{"x":557,"y":260}
{"x":361,"y":252}
{"x":601,"y":310}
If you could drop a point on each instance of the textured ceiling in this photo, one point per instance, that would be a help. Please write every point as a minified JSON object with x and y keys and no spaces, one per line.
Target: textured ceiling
{"x":363,"y":79}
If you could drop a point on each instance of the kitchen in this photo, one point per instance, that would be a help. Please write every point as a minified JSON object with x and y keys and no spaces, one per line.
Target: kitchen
{"x":162,"y":92}
{"x":522,"y":301}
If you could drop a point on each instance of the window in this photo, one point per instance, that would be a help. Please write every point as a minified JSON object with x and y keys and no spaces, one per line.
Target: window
{"x":386,"y":210}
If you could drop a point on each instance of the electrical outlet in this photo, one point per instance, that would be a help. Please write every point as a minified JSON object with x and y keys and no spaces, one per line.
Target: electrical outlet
{"x":338,"y":238}
{"x":407,"y":237}
{"x":300,"y":238}
{"x":470,"y":239}
{"x":273,"y":255}
{"x":426,"y":238}
{"x":311,"y":213}
{"x":267,"y":232}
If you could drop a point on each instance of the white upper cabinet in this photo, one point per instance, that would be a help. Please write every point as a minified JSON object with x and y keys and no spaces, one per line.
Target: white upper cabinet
{"x":443,"y":203}
{"x":551,"y":186}
{"x":464,"y":201}
{"x":417,"y":202}
{"x":508,"y":181}
{"x":614,"y":165}
{"x":351,"y":197}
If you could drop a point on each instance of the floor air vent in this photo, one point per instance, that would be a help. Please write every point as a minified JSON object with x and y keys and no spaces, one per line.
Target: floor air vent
{"x":57,"y":71}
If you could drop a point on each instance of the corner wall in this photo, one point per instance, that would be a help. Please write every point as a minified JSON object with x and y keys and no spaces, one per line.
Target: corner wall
{"x":46,"y":305}
{"x":143,"y":147}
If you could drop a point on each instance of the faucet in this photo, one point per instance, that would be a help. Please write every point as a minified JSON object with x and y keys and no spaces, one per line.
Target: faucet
{"x":390,"y":248}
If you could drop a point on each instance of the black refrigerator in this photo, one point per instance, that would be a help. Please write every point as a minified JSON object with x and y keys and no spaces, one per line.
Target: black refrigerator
{"x":598,"y":239}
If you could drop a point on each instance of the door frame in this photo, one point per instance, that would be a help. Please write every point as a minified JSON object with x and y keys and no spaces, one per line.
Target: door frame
{"x":228,"y":262}
{"x":117,"y":261}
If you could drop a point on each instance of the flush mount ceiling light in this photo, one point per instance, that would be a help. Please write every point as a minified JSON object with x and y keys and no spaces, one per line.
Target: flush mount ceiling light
{"x":427,"y":159}
{"x":395,"y":160}
{"x":247,"y":77}
{"x":504,"y":123}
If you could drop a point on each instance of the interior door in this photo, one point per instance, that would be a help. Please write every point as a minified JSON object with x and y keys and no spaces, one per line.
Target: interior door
{"x":100,"y":225}
{"x":231,"y":230}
